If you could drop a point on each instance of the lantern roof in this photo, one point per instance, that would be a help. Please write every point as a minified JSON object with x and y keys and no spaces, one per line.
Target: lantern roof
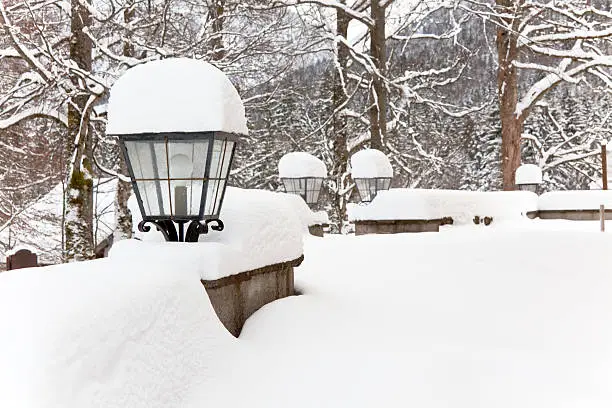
{"x":528,"y":174}
{"x":175,"y":95}
{"x":370,"y":163}
{"x":301,"y":164}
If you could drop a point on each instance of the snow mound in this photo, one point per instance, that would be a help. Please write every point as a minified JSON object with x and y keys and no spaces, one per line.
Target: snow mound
{"x":462,"y":206}
{"x":301,"y":164}
{"x":107,"y":334}
{"x":175,"y":95}
{"x":575,"y":200}
{"x":306,"y":215}
{"x":528,"y":174}
{"x":261,"y":228}
{"x":370,"y":163}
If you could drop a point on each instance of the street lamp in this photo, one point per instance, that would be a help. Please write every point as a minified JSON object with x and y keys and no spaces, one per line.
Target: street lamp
{"x":178,"y":147}
{"x":302,"y":174}
{"x":528,"y":177}
{"x":372,"y":172}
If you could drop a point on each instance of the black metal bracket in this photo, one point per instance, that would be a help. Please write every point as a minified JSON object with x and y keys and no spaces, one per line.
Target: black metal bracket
{"x":170,"y":233}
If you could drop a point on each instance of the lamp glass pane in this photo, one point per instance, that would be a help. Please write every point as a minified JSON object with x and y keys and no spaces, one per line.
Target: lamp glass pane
{"x":187,"y":158}
{"x":363,"y":189}
{"x":155,"y":198}
{"x":220,"y":163}
{"x":187,"y":170}
{"x":313,"y":189}
{"x":147,"y":158}
{"x":213,"y":197}
{"x":220,"y":160}
{"x":186,"y":198}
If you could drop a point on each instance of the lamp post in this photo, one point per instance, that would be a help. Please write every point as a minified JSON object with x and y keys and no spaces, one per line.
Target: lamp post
{"x":372,"y":172}
{"x":302,"y":174}
{"x":178,"y":149}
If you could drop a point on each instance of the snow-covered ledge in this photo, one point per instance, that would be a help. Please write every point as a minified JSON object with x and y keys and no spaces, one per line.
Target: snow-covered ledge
{"x":575,"y":205}
{"x":413,"y":210}
{"x":248,"y":264}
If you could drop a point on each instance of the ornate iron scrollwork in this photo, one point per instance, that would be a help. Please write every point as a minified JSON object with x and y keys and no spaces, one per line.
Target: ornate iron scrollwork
{"x":194,"y":230}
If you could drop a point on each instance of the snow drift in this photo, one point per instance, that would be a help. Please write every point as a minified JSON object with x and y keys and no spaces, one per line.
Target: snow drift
{"x":109,"y":334}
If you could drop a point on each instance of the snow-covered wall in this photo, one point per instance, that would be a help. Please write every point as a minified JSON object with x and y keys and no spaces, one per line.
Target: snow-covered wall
{"x":575,"y":200}
{"x":138,"y":333}
{"x":261,"y":228}
{"x":462,"y":206}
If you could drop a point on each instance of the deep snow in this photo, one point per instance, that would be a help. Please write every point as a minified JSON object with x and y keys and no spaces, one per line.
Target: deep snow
{"x":515,"y":315}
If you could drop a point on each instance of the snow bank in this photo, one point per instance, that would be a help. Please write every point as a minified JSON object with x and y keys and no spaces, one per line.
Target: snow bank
{"x":301,"y":164}
{"x":575,"y":200}
{"x":137,"y":333}
{"x":175,"y":95}
{"x":261,"y":228}
{"x":462,"y":206}
{"x":528,"y":174}
{"x":370,"y":163}
{"x":306,"y":215}
{"x":466,"y":318}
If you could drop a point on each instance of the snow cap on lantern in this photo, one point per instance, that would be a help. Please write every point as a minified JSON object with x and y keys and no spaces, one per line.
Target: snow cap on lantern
{"x":372,"y":172}
{"x":528,"y":177}
{"x":175,"y":95}
{"x":178,"y":121}
{"x":302,"y":174}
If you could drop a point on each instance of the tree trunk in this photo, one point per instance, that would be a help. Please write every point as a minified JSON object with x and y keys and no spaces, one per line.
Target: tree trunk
{"x":123,"y":217}
{"x":216,"y":10}
{"x":507,"y":89}
{"x":79,"y":200}
{"x":339,"y":171}
{"x":378,"y":96}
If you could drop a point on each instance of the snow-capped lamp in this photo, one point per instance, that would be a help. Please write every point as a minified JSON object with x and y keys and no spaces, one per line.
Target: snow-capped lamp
{"x":528,"y":177}
{"x":302,"y":174}
{"x":178,"y":121}
{"x":372,"y":172}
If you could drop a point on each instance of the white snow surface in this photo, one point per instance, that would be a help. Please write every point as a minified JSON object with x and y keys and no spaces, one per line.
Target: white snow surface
{"x":175,"y":95}
{"x":135,"y":333}
{"x":528,"y":174}
{"x":301,"y":164}
{"x":575,"y":200}
{"x":462,"y":206}
{"x":383,"y":321}
{"x":370,"y":163}
{"x":261,"y":228}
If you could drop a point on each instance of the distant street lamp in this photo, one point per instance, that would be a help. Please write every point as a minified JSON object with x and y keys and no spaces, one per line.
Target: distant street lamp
{"x":302,"y":174}
{"x":178,"y":147}
{"x":372,"y":172}
{"x":528,"y":177}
